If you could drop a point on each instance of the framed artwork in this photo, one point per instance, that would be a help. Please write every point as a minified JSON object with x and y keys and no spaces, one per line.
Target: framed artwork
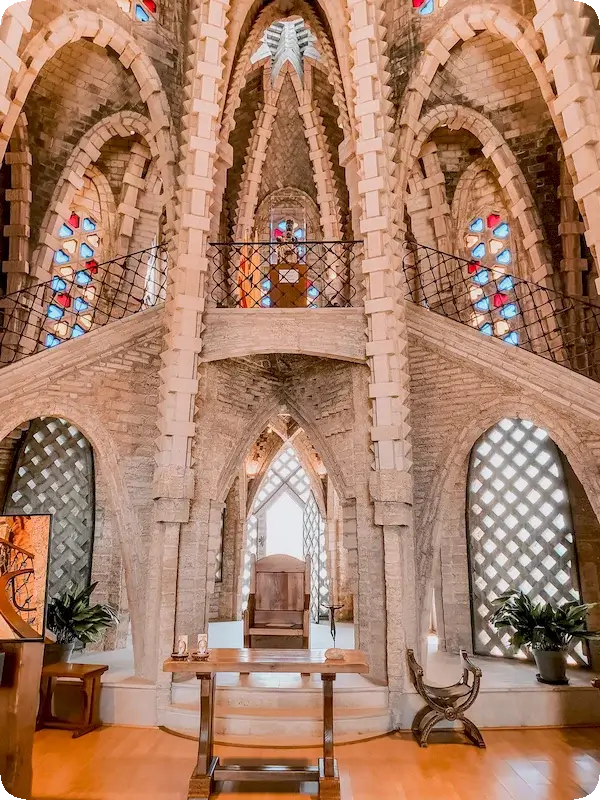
{"x":24,"y":548}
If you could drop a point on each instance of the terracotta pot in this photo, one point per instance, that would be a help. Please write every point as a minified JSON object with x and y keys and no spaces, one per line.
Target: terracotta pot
{"x":55,"y":653}
{"x":552,"y":665}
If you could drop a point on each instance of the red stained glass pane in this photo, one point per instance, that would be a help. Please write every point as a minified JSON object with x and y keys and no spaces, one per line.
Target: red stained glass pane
{"x":500,"y":299}
{"x":417,"y":3}
{"x":63,"y":300}
{"x":151,"y":5}
{"x":473,"y":267}
{"x":92,"y":266}
{"x":493,"y":220}
{"x":74,"y":220}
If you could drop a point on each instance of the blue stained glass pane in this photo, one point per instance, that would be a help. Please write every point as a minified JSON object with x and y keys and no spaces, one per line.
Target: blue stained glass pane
{"x":65,"y":231}
{"x":313,"y":292}
{"x":479,"y":251}
{"x":80,"y":305}
{"x":86,"y":251}
{"x":487,"y":329}
{"x":89,"y":224}
{"x":299,"y":234}
{"x":510,"y":311}
{"x":504,"y":257}
{"x":55,"y":312}
{"x":477,"y":225}
{"x":141,"y":15}
{"x":512,"y":338}
{"x":77,"y":331}
{"x":481,"y":277}
{"x":60,"y":257}
{"x":506,"y":284}
{"x":83,"y":278}
{"x":281,"y":225}
{"x":266,"y":285}
{"x":502,"y":230}
{"x":51,"y":341}
{"x":428,"y":8}
{"x":483,"y":304}
{"x":265,"y":302}
{"x":58,"y":285}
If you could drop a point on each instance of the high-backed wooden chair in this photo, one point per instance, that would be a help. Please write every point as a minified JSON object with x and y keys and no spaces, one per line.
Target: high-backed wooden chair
{"x":278,"y":609}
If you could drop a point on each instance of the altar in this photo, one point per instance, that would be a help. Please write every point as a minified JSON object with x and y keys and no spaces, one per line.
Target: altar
{"x":209,"y":769}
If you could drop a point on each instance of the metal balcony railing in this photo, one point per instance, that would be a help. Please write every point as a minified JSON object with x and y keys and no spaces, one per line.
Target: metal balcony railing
{"x":284,"y":275}
{"x":563,"y":329}
{"x":45,"y":315}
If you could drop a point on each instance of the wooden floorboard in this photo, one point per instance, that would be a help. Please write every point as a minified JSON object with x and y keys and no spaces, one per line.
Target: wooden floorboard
{"x":117,"y":763}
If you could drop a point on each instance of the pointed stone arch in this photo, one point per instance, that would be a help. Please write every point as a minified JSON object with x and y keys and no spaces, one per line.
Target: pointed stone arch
{"x":105,"y":33}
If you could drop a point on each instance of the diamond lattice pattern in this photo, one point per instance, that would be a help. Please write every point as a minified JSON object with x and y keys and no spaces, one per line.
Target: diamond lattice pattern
{"x":54,"y":474}
{"x":520,"y":527}
{"x":287,"y":471}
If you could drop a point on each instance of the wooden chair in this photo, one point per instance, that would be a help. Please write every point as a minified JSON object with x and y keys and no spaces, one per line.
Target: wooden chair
{"x":278,"y":609}
{"x":448,"y":702}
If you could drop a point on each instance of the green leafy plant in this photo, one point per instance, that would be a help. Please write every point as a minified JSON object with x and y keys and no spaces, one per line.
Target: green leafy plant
{"x":71,"y":617}
{"x":542,"y":626}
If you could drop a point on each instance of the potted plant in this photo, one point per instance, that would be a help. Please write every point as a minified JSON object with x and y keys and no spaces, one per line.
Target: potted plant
{"x":72,"y":619}
{"x":547,"y":630}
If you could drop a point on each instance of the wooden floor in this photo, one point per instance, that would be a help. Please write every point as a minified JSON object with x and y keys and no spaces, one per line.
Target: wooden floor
{"x":142,"y":764}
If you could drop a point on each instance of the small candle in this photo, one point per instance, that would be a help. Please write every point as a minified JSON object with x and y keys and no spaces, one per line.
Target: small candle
{"x":182,"y":645}
{"x":202,"y":642}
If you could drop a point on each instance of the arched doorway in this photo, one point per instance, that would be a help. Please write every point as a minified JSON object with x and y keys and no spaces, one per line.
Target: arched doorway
{"x":520,"y":528}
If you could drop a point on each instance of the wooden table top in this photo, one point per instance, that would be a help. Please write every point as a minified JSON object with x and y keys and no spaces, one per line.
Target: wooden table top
{"x":67,"y":670}
{"x":255,"y":660}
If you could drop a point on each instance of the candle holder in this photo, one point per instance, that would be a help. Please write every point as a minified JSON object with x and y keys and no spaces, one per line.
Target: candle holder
{"x":181,"y":652}
{"x":333,"y":653}
{"x":202,"y":653}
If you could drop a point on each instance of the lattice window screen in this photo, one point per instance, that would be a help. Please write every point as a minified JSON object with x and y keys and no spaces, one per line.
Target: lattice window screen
{"x":519,"y":527}
{"x":54,"y":474}
{"x":286,"y":470}
{"x":314,"y":546}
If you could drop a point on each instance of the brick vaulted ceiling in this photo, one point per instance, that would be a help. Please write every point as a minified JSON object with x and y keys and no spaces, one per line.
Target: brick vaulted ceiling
{"x":288,"y":162}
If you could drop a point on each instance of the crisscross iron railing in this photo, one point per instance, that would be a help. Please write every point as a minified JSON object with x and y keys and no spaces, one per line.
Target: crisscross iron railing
{"x":284,"y":275}
{"x":44,"y":315}
{"x":558,"y":327}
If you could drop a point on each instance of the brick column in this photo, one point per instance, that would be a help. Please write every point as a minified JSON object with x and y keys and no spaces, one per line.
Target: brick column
{"x":390,"y":484}
{"x":174,"y":478}
{"x":577,"y":106}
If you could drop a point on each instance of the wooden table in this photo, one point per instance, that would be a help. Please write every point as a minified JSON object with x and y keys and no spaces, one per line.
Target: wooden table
{"x":89,"y":675}
{"x":208,"y":768}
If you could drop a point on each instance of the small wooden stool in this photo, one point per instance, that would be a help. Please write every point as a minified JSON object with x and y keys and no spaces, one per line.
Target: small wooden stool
{"x":89,"y":675}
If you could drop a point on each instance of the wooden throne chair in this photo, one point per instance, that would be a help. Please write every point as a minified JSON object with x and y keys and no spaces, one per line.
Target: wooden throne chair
{"x":446,"y":703}
{"x":278,"y":612}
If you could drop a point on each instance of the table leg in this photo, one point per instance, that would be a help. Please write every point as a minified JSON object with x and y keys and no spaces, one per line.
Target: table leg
{"x":45,"y":710}
{"x":201,"y":782}
{"x":329,"y":782}
{"x":91,"y":706}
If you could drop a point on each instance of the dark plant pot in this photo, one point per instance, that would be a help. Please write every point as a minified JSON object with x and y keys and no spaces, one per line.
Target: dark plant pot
{"x":55,"y":653}
{"x":552,"y":665}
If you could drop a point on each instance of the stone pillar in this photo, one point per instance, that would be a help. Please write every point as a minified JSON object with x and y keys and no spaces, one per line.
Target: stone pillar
{"x":174,"y":479}
{"x":390,"y":484}
{"x":577,"y":105}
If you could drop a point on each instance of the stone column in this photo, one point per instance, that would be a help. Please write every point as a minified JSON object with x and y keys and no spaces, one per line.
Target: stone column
{"x":390,"y":484}
{"x":174,"y":478}
{"x":577,"y":105}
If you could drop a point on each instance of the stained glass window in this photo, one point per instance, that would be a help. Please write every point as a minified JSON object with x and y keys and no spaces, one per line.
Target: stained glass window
{"x":520,"y":530}
{"x":70,"y":310}
{"x":427,"y":7}
{"x":140,"y":10}
{"x":492,"y":291}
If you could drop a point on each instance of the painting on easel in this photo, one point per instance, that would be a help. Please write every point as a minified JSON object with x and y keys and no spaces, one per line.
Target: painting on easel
{"x":24,"y":545}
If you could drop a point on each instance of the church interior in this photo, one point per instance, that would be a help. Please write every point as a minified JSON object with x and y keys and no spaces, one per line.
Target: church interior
{"x":299,"y":399}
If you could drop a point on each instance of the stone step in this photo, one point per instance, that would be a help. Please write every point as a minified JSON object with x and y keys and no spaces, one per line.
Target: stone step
{"x":292,"y":728}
